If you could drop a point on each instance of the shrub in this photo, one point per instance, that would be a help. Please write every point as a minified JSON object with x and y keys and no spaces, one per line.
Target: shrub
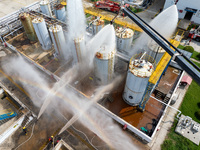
{"x":135,"y":10}
{"x":189,"y":49}
{"x":197,"y":114}
{"x":181,"y":46}
{"x":198,"y":104}
{"x":198,"y":55}
{"x":192,"y":26}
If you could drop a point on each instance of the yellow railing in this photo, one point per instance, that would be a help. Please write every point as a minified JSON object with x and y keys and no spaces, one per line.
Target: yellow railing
{"x":163,"y":62}
{"x":160,"y":68}
{"x":120,"y":21}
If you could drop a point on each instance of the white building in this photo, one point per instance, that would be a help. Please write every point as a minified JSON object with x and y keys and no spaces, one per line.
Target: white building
{"x":187,"y":9}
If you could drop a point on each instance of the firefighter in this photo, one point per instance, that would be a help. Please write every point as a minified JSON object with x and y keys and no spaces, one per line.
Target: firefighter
{"x":51,"y":139}
{"x":58,"y":140}
{"x":25,"y":130}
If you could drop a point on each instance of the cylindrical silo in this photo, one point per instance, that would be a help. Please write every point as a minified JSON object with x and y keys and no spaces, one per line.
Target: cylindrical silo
{"x":104,"y":65}
{"x":97,"y":26}
{"x":58,"y":39}
{"x":46,"y":8}
{"x":124,"y":39}
{"x":60,"y":12}
{"x":137,"y":79}
{"x":155,"y":51}
{"x":79,"y":44}
{"x":42,"y":33}
{"x":28,"y":26}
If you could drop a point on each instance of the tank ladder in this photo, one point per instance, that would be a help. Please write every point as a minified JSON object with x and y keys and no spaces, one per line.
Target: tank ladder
{"x":111,"y":66}
{"x":157,"y":74}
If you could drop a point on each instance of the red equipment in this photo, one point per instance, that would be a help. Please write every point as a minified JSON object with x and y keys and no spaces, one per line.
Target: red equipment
{"x":109,"y":5}
{"x":195,"y":34}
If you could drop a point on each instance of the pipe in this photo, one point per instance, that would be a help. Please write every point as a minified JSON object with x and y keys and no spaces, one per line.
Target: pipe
{"x":111,"y":22}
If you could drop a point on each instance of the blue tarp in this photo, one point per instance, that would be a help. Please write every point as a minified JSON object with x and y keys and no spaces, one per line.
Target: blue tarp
{"x":8,"y":115}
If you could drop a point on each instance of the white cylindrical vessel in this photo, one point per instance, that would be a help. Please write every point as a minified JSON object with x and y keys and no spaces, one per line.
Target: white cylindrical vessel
{"x":137,"y":80}
{"x":58,"y":39}
{"x":42,"y":33}
{"x":60,"y":12}
{"x":79,"y":47}
{"x":124,"y":39}
{"x":155,"y":51}
{"x":104,"y":65}
{"x":46,"y":8}
{"x":97,"y":26}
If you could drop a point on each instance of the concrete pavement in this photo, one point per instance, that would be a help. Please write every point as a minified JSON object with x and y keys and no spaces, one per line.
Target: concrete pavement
{"x":9,"y":6}
{"x":150,"y":12}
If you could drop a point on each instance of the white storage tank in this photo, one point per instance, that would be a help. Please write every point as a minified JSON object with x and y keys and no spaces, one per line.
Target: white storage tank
{"x":104,"y":65}
{"x":79,"y":47}
{"x":46,"y":8}
{"x":97,"y":26}
{"x":155,"y":51}
{"x":60,"y":12}
{"x":124,"y":39}
{"x":137,"y":79}
{"x":42,"y":33}
{"x":58,"y":39}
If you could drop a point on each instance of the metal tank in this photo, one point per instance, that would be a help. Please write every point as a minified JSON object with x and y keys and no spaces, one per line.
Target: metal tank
{"x":124,"y":39}
{"x":60,"y":12}
{"x":140,"y":69}
{"x":28,"y":26}
{"x":42,"y":33}
{"x":97,"y":26}
{"x":79,"y":46}
{"x":45,"y":7}
{"x":104,"y":65}
{"x":58,"y":39}
{"x":155,"y":51}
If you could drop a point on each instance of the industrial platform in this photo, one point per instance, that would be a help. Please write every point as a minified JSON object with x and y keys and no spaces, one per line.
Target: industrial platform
{"x":46,"y":63}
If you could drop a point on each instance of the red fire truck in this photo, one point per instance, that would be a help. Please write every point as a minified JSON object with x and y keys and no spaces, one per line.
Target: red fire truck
{"x":195,"y":34}
{"x":109,"y":5}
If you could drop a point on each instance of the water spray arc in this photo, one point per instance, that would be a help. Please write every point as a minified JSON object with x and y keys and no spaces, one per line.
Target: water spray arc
{"x":77,"y":29}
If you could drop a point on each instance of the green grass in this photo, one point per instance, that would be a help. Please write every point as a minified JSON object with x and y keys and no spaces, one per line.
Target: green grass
{"x":192,"y":26}
{"x":198,"y":64}
{"x":196,"y":55}
{"x":188,"y":107}
{"x":135,"y":10}
{"x":192,"y":97}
